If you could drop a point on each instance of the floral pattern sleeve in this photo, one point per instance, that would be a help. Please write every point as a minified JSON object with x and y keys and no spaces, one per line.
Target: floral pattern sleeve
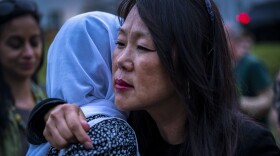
{"x":111,"y":136}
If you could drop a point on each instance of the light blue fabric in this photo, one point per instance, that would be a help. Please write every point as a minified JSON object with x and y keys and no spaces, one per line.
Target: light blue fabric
{"x":38,"y":150}
{"x":79,"y":63}
{"x":79,"y":66}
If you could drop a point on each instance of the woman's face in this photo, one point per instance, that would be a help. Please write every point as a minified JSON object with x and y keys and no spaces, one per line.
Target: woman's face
{"x":140,"y":81}
{"x":20,"y":47}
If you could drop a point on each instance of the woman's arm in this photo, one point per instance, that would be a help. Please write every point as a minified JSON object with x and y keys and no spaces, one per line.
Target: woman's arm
{"x":59,"y":123}
{"x":66,"y":124}
{"x":36,"y":122}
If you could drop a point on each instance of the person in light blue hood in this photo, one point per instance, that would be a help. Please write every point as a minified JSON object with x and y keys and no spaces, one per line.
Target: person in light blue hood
{"x":79,"y":72}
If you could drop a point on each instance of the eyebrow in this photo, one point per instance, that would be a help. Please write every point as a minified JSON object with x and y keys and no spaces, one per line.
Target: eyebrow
{"x":137,"y":34}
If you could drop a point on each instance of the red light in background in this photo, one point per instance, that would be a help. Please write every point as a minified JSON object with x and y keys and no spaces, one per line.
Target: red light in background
{"x":243,"y":18}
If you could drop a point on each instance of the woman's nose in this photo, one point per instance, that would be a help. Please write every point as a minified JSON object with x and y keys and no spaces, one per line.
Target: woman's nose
{"x":28,"y":51}
{"x":125,"y":60}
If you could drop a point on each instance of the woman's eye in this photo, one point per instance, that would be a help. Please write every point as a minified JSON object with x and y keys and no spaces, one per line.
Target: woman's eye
{"x":35,"y":41}
{"x":145,"y":49}
{"x":15,"y":42}
{"x":120,"y":44}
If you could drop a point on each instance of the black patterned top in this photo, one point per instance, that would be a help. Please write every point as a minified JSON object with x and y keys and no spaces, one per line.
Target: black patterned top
{"x":110,"y":136}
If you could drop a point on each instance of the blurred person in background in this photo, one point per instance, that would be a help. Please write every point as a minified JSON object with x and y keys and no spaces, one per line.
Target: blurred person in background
{"x":21,"y":56}
{"x":277,"y":98}
{"x":275,"y":111}
{"x":252,"y":78}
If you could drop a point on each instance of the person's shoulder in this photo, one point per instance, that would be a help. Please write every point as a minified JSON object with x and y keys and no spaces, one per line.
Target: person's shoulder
{"x":253,"y":60}
{"x":248,"y":61}
{"x":113,"y":128}
{"x":110,"y":136}
{"x":254,"y":139}
{"x":249,"y":128}
{"x":38,"y":92}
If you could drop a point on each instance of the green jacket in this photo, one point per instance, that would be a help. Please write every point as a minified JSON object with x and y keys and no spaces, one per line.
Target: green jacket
{"x":10,"y":144}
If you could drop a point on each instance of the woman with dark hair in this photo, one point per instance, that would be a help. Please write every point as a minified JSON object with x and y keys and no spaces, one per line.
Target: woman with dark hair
{"x":21,"y":57}
{"x":190,"y":43}
{"x":172,"y":70}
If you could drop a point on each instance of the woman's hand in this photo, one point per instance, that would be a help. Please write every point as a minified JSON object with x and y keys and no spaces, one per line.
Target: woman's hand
{"x":66,"y":124}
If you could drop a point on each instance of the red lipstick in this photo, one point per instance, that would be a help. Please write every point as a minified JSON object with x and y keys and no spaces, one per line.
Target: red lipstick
{"x":121,"y":85}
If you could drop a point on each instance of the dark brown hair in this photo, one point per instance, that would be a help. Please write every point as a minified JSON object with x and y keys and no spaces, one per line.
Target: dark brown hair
{"x":201,"y":73}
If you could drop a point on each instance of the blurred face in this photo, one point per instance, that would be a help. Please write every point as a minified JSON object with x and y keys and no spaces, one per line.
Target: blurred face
{"x":20,"y":47}
{"x":240,"y":48}
{"x":140,"y":81}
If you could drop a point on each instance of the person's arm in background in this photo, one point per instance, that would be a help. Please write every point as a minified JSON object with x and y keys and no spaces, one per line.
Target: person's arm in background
{"x":260,"y":83}
{"x":258,"y":106}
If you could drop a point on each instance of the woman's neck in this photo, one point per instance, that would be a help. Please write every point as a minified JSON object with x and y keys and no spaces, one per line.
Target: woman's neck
{"x":22,"y":93}
{"x":170,"y":119}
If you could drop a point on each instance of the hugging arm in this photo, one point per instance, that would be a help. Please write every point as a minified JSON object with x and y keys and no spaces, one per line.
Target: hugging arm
{"x":59,"y":123}
{"x":36,"y":123}
{"x":109,"y":135}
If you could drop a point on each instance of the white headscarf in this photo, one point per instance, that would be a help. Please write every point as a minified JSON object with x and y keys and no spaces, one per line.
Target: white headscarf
{"x":79,"y":63}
